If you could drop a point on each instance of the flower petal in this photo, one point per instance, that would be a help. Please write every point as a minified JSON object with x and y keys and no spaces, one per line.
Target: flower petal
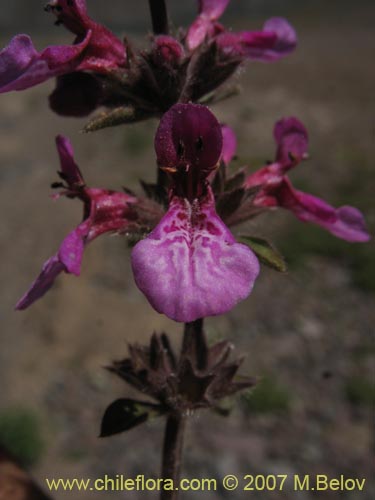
{"x":292,"y":141}
{"x":51,"y":269}
{"x":277,"y":40}
{"x":69,"y":167}
{"x":344,"y":222}
{"x":229,"y":144}
{"x":189,"y":135}
{"x":21,"y":66}
{"x":71,"y":13}
{"x":71,"y":249}
{"x":205,"y":25}
{"x":269,"y":177}
{"x":190,"y":266}
{"x":105,"y":51}
{"x":67,"y":259}
{"x":15,"y":59}
{"x":286,"y":38}
{"x":213,"y":9}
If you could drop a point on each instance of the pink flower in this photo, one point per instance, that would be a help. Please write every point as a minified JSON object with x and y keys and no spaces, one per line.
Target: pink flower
{"x":190,"y":266}
{"x":276,"y":190}
{"x":104,"y":211}
{"x":276,"y":40}
{"x":95,"y":49}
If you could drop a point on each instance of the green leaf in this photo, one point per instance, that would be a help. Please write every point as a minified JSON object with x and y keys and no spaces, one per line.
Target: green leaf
{"x":266,"y":252}
{"x":124,"y":414}
{"x":113,"y":118}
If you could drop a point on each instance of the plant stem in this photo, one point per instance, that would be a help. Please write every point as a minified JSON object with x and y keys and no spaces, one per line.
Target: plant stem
{"x":176,"y":422}
{"x":172,"y":453}
{"x":190,"y":331}
{"x":159,"y":17}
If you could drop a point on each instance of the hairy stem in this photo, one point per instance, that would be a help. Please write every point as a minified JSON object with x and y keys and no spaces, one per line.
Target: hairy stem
{"x":172,"y":453}
{"x":159,"y":17}
{"x":176,"y":422}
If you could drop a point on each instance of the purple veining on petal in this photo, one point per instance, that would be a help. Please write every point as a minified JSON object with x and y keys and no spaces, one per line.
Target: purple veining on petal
{"x":292,"y":141}
{"x":229,"y":144}
{"x":344,"y":222}
{"x":190,"y":266}
{"x":188,"y":135}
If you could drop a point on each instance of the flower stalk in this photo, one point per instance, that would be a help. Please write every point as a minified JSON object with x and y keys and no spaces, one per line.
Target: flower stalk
{"x":172,"y":453}
{"x":176,"y":423}
{"x":159,"y":17}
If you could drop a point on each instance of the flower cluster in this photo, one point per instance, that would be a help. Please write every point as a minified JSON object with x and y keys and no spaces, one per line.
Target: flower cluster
{"x":98,"y":69}
{"x":187,"y":262}
{"x":104,"y":211}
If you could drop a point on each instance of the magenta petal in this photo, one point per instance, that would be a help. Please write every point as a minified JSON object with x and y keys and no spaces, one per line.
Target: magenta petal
{"x":198,"y":31}
{"x":69,"y":168}
{"x":190,"y":266}
{"x":269,"y":177}
{"x":51,"y":269}
{"x":15,"y":59}
{"x":277,"y":40}
{"x":21,"y":66}
{"x":229,"y":144}
{"x":286,"y":38}
{"x":246,"y":44}
{"x":71,"y":13}
{"x":190,"y":135}
{"x":204,"y":25}
{"x":292,"y":141}
{"x":105,"y":51}
{"x":68,"y":259}
{"x":213,"y":8}
{"x":350,"y":225}
{"x":71,"y":249}
{"x":345,"y":222}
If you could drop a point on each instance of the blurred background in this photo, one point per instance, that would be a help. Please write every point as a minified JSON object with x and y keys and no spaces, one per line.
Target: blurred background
{"x":309,"y":333}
